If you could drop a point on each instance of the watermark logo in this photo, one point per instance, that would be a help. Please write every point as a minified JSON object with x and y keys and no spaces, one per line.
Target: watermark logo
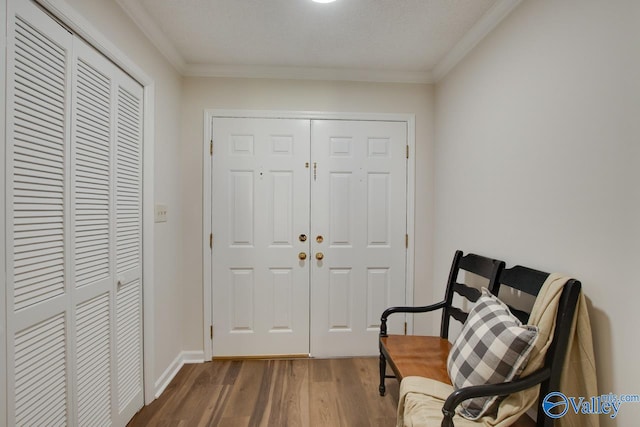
{"x":556,"y":404}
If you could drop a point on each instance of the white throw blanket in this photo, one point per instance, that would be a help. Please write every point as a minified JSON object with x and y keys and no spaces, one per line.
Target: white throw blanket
{"x":421,"y":399}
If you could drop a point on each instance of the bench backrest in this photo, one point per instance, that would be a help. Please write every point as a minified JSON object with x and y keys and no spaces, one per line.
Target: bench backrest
{"x":530,"y":281}
{"x":478,"y":265}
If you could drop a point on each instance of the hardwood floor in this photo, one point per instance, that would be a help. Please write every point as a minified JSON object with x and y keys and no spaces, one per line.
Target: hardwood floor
{"x":296,"y":393}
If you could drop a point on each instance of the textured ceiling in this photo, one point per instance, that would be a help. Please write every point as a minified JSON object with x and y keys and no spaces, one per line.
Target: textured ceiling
{"x":410,"y":36}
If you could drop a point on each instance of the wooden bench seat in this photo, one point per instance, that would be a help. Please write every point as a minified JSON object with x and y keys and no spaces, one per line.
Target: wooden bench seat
{"x":425,"y":356}
{"x":413,"y":355}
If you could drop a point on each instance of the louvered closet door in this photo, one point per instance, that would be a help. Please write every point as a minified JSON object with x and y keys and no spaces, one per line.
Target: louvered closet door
{"x":128,"y":248}
{"x":92,"y":212}
{"x":38,"y":244}
{"x":74,"y":224}
{"x":106,"y":237}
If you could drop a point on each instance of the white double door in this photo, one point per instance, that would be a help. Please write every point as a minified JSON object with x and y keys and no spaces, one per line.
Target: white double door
{"x":309,"y":228}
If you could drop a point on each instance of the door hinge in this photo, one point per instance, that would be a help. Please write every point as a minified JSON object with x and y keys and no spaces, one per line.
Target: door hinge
{"x":406,"y":241}
{"x":211,"y":331}
{"x":211,"y":148}
{"x":211,"y":240}
{"x":407,"y":151}
{"x":405,"y":328}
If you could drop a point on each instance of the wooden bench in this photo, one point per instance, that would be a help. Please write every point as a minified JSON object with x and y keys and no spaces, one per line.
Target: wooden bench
{"x":426,"y":356}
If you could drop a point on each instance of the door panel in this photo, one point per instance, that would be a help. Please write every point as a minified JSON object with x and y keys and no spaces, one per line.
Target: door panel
{"x":93,"y":360}
{"x":261,"y":206}
{"x":40,"y":374}
{"x":358,"y":206}
{"x":128,"y":349}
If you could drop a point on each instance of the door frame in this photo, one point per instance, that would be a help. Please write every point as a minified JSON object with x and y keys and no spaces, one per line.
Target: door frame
{"x":207,"y":173}
{"x":3,"y":268}
{"x":68,"y":16}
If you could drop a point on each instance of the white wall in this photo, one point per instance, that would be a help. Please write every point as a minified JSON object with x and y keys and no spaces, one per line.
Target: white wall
{"x":108,"y":18}
{"x":537,"y":154}
{"x":225,"y":93}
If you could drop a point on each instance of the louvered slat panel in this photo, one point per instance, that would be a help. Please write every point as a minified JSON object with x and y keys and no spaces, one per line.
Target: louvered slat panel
{"x":92,"y":159}
{"x":40,"y":374}
{"x":129,"y":342}
{"x":128,"y":182}
{"x":39,"y":167}
{"x":93,"y":362}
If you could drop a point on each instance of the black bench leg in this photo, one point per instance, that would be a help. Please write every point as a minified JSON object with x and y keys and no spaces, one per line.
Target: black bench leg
{"x":383,"y":373}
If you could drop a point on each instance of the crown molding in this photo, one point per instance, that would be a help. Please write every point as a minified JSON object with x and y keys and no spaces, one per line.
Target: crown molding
{"x":500,"y":10}
{"x":308,"y":73}
{"x":477,"y":33}
{"x":154,"y":33}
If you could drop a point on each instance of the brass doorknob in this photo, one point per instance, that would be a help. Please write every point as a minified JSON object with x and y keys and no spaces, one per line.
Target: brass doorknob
{"x":319,"y":256}
{"x":319,"y":239}
{"x":302,"y":256}
{"x":302,"y":237}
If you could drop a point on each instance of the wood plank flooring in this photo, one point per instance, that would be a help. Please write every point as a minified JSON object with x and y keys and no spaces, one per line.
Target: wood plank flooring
{"x":266,"y":393}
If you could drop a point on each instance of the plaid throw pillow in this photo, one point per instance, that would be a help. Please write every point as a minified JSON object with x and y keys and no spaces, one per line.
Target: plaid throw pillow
{"x":493,"y":347}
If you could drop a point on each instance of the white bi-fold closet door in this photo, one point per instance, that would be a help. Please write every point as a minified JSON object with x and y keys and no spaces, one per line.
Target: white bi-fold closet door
{"x":309,"y":226}
{"x":74,"y":230}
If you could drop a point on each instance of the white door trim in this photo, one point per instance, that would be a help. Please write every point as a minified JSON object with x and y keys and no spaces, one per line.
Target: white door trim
{"x":207,"y":225}
{"x":78,"y":24}
{"x":3,"y":243}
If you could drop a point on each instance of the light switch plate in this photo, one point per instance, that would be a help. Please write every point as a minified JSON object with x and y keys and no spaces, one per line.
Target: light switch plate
{"x":161,"y":213}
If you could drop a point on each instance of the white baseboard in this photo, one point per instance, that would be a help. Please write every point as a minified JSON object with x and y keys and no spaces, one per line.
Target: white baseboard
{"x":193,"y":356}
{"x":185,"y":357}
